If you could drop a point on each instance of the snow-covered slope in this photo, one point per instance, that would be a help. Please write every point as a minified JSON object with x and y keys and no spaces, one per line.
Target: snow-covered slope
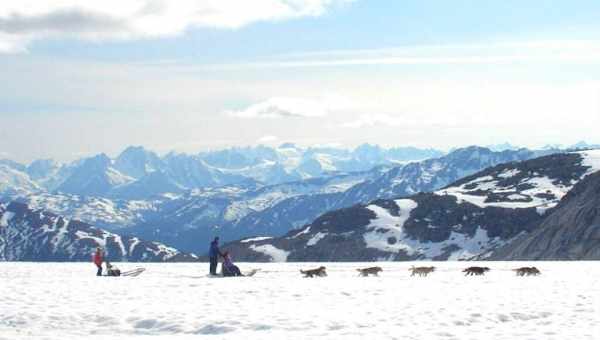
{"x":35,"y":235}
{"x":137,"y":162}
{"x":435,"y":173}
{"x":468,"y":219}
{"x":289,"y":162}
{"x":15,"y":181}
{"x":43,"y":170}
{"x":571,"y":231}
{"x":149,"y":186}
{"x":177,"y":302}
{"x":112,"y":214}
{"x":539,"y":183}
{"x":190,"y":220}
{"x":95,"y":176}
{"x":398,"y":181}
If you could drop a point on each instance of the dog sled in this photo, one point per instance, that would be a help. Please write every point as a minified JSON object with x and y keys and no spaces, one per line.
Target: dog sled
{"x":249,"y":273}
{"x":134,"y":272}
{"x":130,"y":273}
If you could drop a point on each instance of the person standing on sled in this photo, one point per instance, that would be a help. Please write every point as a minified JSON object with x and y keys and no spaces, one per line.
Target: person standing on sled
{"x":98,"y":258}
{"x":213,"y":255}
{"x":228,"y":268}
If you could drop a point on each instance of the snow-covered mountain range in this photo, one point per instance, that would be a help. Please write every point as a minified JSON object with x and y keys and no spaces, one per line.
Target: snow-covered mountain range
{"x":232,"y":212}
{"x":471,"y":218}
{"x":139,"y":173}
{"x":36,"y":235}
{"x":111,"y":192}
{"x":188,"y":218}
{"x":184,"y":200}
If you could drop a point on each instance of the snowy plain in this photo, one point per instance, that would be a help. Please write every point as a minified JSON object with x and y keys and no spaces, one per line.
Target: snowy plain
{"x":178,"y":301}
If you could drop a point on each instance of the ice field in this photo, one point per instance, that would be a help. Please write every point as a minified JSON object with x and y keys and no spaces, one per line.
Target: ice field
{"x":178,"y":301}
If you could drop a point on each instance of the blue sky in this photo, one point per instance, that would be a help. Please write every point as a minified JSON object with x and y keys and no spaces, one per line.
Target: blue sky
{"x":83,"y":78}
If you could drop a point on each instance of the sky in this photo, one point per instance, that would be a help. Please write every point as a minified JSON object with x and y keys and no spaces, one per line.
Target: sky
{"x":83,"y":77}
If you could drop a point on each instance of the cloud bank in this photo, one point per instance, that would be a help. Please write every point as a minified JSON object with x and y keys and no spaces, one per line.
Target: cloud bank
{"x":24,"y":21}
{"x":287,"y":107}
{"x":499,"y":53}
{"x":267,"y":139}
{"x":369,"y":120}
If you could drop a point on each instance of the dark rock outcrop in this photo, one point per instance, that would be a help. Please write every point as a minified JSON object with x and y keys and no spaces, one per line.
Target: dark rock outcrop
{"x":570,"y":232}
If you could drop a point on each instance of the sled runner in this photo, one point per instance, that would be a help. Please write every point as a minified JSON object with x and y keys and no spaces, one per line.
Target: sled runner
{"x":252,"y":272}
{"x":246,"y":274}
{"x":133,"y":272}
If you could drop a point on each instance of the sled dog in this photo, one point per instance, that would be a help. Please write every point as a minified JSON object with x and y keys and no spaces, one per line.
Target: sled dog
{"x":320,"y":272}
{"x":527,"y":271}
{"x":421,"y":271}
{"x":476,"y":271}
{"x":369,"y":271}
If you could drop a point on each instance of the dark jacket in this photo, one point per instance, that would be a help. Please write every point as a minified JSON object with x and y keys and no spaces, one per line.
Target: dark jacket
{"x":214,"y":249}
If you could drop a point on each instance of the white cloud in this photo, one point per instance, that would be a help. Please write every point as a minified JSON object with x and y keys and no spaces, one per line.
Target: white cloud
{"x":267,"y":139}
{"x":24,"y":21}
{"x":405,"y":121}
{"x":553,"y":51}
{"x":374,"y":120}
{"x":288,"y":107}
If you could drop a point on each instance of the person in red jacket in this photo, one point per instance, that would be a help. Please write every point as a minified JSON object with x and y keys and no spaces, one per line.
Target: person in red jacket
{"x":98,"y":258}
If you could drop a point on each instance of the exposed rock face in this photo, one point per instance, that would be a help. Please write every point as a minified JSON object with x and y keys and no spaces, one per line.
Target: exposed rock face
{"x":34,"y":235}
{"x":570,"y":232}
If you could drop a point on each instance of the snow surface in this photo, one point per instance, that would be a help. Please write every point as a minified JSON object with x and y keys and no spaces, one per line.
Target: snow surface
{"x":11,"y":178}
{"x":276,"y":254}
{"x":316,"y":238}
{"x":528,"y":198}
{"x":6,"y":217}
{"x":536,"y":197}
{"x":591,"y":159}
{"x":394,"y":224}
{"x":167,"y":251}
{"x":256,"y":239}
{"x":303,"y":232}
{"x":385,"y":226}
{"x":178,"y":301}
{"x":509,"y":173}
{"x":95,"y":210}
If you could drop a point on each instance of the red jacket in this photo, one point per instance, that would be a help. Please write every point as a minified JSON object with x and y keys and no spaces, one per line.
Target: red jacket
{"x":97,"y":258}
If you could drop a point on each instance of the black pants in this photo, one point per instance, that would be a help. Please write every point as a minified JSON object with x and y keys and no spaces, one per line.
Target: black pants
{"x":213,"y":265}
{"x":99,"y":272}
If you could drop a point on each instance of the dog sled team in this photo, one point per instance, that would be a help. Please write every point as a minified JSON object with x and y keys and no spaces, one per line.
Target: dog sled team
{"x":421,"y":271}
{"x":228,"y":269}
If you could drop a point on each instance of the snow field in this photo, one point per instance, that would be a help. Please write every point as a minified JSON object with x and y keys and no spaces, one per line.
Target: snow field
{"x":177,"y":301}
{"x":394,"y":225}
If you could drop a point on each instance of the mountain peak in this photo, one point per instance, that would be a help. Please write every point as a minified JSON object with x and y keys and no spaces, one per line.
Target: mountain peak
{"x":134,"y":149}
{"x":288,"y":146}
{"x":136,"y":162}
